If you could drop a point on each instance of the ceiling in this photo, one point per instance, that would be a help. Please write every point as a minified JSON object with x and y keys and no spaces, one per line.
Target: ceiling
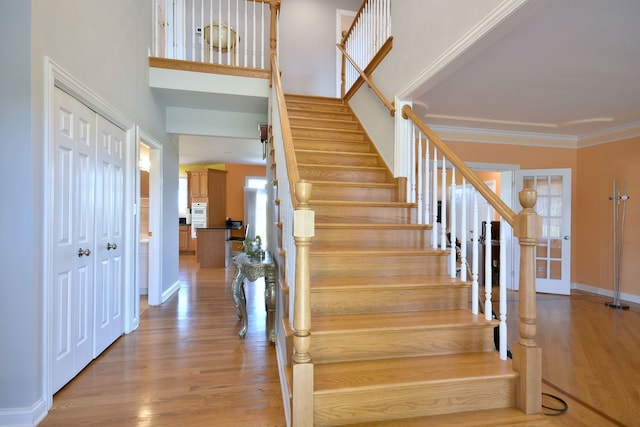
{"x":200,"y":149}
{"x":205,"y":150}
{"x":568,"y":69}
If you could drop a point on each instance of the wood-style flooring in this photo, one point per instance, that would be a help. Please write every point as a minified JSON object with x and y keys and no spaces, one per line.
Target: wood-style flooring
{"x":186,"y":366}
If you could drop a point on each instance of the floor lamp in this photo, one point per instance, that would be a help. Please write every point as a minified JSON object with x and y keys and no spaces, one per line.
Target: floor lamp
{"x":618,"y":242}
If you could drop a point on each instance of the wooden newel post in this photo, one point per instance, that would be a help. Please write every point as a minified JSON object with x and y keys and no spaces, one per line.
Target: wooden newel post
{"x":303,"y":231}
{"x":527,"y":356}
{"x":274,"y":8}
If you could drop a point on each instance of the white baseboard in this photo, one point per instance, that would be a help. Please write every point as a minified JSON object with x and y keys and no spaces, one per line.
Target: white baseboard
{"x":282,"y":367}
{"x":606,"y":292}
{"x":24,"y":417}
{"x":172,"y":289}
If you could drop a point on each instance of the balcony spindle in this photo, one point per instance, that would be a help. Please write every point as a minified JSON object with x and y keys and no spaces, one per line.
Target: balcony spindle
{"x":475,"y":300}
{"x":488,"y":308}
{"x":463,"y":233}
{"x":453,"y":220}
{"x":443,"y":206}
{"x":503,"y":293}
{"x":434,"y":200}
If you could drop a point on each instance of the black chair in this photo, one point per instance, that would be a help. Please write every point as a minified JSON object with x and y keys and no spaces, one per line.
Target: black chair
{"x":231,"y":239}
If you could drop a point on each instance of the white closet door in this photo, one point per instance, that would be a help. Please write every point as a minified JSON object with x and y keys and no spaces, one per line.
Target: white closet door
{"x":109,"y":299}
{"x":73,"y":134}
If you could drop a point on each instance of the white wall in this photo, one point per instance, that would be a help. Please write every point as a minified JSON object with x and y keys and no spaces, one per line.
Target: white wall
{"x":308,"y":45}
{"x":104,"y":45}
{"x":20,"y":276}
{"x":422,"y":31}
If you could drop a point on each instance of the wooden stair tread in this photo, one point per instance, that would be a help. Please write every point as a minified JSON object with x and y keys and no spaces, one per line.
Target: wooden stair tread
{"x":437,"y":319}
{"x":321,"y":139}
{"x":324,"y":129}
{"x":504,"y":417}
{"x":375,"y":204}
{"x":386,"y":281}
{"x":329,"y":122}
{"x":341,"y":153}
{"x":372,"y":374}
{"x":376,"y":252}
{"x":373,"y":226}
{"x":298,"y":113}
{"x":339,"y":167}
{"x":313,"y":99}
{"x":355,"y":184}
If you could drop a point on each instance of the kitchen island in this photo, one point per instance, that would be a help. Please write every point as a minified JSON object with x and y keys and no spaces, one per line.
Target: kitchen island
{"x":211,"y":246}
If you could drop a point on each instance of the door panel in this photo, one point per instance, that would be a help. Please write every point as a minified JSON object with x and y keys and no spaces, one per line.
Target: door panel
{"x":109,"y":226}
{"x":72,"y":293}
{"x":553,"y":248}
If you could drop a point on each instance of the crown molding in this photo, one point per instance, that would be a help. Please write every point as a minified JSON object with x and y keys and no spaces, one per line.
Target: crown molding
{"x":493,"y":136}
{"x":617,"y":133}
{"x":469,"y":39}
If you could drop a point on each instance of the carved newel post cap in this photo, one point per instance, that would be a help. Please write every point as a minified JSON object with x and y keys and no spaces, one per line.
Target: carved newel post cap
{"x":528,"y":224}
{"x":528,"y":197}
{"x":303,"y":191}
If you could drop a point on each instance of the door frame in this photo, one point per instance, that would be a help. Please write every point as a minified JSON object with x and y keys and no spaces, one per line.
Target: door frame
{"x":155,"y":220}
{"x":56,"y":76}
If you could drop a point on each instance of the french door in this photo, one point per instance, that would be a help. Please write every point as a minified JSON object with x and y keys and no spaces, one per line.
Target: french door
{"x":553,"y":248}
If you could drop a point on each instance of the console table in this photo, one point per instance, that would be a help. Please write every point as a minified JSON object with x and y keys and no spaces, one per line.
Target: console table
{"x":252,"y":268}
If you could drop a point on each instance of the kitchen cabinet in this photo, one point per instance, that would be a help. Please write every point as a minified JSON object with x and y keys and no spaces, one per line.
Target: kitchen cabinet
{"x":199,"y":181}
{"x":186,"y":244}
{"x":209,"y":186}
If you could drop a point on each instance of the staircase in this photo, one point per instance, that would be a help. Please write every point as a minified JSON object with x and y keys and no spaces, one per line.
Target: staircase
{"x":392,"y":335}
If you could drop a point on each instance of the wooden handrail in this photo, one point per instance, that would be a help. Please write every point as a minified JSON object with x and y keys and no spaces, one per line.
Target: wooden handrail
{"x":287,"y":138}
{"x":389,"y":105}
{"x":498,"y":204}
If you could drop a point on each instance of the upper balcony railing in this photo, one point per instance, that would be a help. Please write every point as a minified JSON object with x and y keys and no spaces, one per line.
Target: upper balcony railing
{"x":225,"y":32}
{"x":365,"y":40}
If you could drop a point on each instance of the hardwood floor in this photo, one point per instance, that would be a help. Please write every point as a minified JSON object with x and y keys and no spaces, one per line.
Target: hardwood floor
{"x":591,"y":355}
{"x":186,"y":366}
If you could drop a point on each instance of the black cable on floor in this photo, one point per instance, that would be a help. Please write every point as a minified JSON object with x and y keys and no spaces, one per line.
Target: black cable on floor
{"x":557,"y":411}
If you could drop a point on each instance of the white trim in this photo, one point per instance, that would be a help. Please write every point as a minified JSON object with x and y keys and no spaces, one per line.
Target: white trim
{"x":537,"y":139}
{"x":56,"y":76}
{"x":473,"y":36}
{"x":156,"y":209}
{"x":492,"y":167}
{"x":24,"y":417}
{"x":606,"y":292}
{"x":614,"y":134}
{"x":170,"y":291}
{"x":401,"y":147}
{"x":282,"y":373}
{"x":493,"y":136}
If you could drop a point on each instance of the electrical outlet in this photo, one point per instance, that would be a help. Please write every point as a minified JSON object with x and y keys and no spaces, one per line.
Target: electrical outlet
{"x":198,"y":30}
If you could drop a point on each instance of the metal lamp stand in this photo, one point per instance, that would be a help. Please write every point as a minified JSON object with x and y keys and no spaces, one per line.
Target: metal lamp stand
{"x":618,"y":246}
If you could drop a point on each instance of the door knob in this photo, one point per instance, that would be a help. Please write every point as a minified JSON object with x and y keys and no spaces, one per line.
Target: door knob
{"x":85,"y":252}
{"x":566,"y":237}
{"x":111,"y":246}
